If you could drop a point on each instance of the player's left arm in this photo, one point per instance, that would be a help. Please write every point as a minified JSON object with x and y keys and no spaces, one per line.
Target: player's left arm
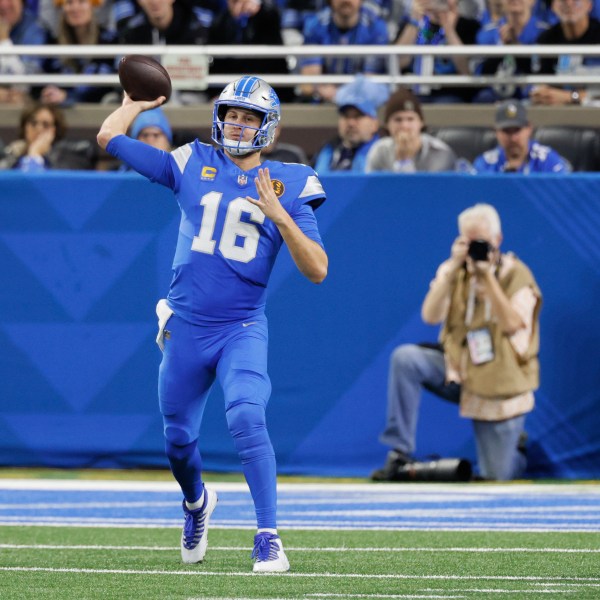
{"x":310,"y":258}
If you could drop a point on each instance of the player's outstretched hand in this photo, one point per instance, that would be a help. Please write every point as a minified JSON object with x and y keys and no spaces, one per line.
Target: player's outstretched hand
{"x":267,"y":201}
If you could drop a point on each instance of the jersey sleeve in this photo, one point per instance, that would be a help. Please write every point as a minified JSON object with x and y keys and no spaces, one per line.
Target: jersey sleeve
{"x":157,"y":165}
{"x":305,"y":218}
{"x":312,"y":193}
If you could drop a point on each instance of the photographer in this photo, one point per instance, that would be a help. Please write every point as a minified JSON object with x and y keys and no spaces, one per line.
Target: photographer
{"x":488,"y":304}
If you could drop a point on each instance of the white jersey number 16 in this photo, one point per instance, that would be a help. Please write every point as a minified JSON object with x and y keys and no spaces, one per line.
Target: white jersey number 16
{"x":233,"y":228}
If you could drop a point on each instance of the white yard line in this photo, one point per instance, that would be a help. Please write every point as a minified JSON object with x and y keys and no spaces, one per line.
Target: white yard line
{"x":200,"y":573}
{"x":303,"y":549}
{"x":297,"y":525}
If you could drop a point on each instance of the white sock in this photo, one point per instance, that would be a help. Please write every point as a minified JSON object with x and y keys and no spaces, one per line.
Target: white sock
{"x":273,"y":531}
{"x":197,"y":504}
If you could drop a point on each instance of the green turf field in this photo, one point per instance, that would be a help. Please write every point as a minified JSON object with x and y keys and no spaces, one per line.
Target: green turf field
{"x":52,"y":563}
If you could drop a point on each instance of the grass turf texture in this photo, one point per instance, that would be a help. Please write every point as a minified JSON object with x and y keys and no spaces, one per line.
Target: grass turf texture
{"x":144,"y":563}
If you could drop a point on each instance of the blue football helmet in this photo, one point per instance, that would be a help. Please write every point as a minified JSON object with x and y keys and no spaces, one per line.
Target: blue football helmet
{"x":252,"y":94}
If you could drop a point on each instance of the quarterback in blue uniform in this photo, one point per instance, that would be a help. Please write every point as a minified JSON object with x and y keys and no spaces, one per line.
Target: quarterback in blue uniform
{"x":235,"y":215}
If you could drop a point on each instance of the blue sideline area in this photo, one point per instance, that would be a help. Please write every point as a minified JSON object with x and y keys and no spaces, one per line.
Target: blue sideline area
{"x":85,"y":257}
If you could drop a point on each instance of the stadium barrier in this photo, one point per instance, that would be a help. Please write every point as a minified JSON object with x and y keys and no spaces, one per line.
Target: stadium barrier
{"x":85,"y":257}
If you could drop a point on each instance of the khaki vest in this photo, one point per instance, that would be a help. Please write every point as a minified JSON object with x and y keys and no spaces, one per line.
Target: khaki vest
{"x":508,"y":374}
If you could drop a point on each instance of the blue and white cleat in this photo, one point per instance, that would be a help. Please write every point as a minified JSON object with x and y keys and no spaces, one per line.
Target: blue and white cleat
{"x":268,"y":554}
{"x":194,"y":537}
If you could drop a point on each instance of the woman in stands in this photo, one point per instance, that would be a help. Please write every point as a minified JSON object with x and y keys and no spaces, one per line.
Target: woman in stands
{"x":78,"y":25}
{"x":41,"y":144}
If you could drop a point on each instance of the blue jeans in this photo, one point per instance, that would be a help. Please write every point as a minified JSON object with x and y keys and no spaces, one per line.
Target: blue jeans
{"x":413,"y":367}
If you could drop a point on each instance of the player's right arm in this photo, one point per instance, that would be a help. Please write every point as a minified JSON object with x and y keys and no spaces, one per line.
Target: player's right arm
{"x":119,"y":121}
{"x":155,"y":164}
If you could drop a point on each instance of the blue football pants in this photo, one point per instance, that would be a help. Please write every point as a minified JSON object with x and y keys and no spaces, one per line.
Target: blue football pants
{"x":236,"y":355}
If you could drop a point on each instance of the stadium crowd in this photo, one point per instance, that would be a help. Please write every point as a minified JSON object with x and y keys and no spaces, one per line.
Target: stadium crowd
{"x":321,"y":22}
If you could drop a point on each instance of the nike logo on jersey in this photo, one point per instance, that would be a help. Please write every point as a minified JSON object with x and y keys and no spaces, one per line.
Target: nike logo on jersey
{"x":248,"y":324}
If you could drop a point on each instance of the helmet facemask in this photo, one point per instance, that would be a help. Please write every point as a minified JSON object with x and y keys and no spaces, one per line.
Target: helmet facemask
{"x":257,"y":96}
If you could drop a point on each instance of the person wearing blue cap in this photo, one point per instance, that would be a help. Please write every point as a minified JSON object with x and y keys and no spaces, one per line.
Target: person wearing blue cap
{"x":153,"y":128}
{"x":358,"y":127}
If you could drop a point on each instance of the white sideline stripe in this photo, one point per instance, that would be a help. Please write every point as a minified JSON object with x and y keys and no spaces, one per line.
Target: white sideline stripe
{"x":483,"y":490}
{"x":303,"y":549}
{"x":558,"y":512}
{"x":531,"y":578}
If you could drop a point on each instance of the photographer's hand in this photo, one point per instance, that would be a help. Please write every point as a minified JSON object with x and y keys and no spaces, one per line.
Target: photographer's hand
{"x":458,"y":252}
{"x":507,"y":317}
{"x":437,"y":300}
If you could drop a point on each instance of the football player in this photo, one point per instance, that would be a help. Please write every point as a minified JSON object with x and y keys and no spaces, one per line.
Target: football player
{"x":236,"y":214}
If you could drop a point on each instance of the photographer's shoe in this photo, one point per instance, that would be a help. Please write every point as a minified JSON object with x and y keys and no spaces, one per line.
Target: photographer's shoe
{"x":396,"y":459}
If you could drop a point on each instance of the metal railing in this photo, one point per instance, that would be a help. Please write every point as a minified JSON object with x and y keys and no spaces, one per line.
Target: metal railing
{"x":393,"y":53}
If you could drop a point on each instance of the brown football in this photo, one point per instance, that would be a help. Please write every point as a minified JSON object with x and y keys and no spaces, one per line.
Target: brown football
{"x":144,"y":78}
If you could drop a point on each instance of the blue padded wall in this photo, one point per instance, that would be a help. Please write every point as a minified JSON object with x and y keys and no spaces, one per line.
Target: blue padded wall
{"x":85,"y":257}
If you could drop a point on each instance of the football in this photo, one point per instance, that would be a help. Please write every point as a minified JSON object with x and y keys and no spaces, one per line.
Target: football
{"x":144,"y":78}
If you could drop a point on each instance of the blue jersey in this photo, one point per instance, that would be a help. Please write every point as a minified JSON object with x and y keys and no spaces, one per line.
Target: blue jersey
{"x":489,"y":35}
{"x":541,"y":159}
{"x":226,"y":247}
{"x":320,"y":29}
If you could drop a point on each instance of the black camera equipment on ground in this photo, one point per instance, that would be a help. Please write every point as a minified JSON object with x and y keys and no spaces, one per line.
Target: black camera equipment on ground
{"x":443,"y":469}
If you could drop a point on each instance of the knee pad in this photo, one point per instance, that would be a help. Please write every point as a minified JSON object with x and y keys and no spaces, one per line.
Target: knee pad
{"x":244,"y":418}
{"x":177,"y":433}
{"x":244,"y":386}
{"x":248,"y":427}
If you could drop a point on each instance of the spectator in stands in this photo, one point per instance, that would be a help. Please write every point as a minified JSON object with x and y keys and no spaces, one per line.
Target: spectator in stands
{"x":408,"y":149}
{"x":246,"y":22}
{"x":41,"y":144}
{"x":493,"y":12}
{"x":344,"y":22}
{"x":435,"y":23}
{"x":575,"y":27}
{"x":18,"y":26}
{"x":358,"y":127}
{"x":283,"y":152}
{"x":78,"y":25}
{"x":488,"y":305}
{"x":516,"y":151}
{"x":168,"y":22}
{"x":153,"y":128}
{"x":48,"y":14}
{"x":518,"y":26}
{"x":294,"y":14}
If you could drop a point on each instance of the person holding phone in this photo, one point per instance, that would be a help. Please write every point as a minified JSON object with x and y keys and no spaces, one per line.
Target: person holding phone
{"x":436,"y":23}
{"x":488,"y":305}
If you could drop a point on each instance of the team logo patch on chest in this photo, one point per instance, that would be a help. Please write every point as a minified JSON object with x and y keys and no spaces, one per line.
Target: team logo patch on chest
{"x":242,"y":179}
{"x":278,"y":187}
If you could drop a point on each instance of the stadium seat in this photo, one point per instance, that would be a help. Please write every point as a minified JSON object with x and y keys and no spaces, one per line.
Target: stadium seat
{"x":467,"y":142}
{"x":579,"y":145}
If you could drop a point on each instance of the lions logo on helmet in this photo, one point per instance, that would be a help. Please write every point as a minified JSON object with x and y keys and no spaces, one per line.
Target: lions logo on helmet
{"x":252,"y":94}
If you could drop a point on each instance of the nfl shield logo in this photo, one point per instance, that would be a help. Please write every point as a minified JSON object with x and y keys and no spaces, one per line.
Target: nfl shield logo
{"x":242,"y":179}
